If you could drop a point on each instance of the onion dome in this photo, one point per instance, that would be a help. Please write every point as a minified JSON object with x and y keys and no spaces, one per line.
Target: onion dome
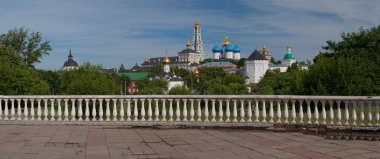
{"x":197,"y":25}
{"x":229,"y":48}
{"x":188,"y":44}
{"x":216,"y":48}
{"x":196,"y":72}
{"x":166,"y":60}
{"x":288,"y":56}
{"x":236,"y":48}
{"x":226,"y":41}
{"x":70,"y":61}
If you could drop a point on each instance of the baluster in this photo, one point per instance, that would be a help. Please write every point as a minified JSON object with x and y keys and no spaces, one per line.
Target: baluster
{"x":1,"y":109}
{"x":346,"y":113}
{"x":192,"y":110}
{"x":39,"y":111}
{"x":66,"y":110}
{"x":199,"y":111}
{"x":93,"y":110}
{"x":354,"y":116}
{"x":80,"y":110}
{"x":13,"y":109}
{"x":184,"y":110}
{"x":87,"y":110}
{"x":316,"y":112}
{"x":286,"y":113}
{"x":377,"y":114}
{"x":129,"y":110}
{"x":228,"y":113}
{"x":73,"y":111}
{"x":362,"y":113}
{"x":135,"y":111}
{"x":52,"y":110}
{"x":213,"y":112}
{"x":242,"y":112}
{"x":108,"y":111}
{"x":257,"y":112}
{"x":6,"y":109}
{"x":294,"y":114}
{"x":121,"y":112}
{"x":156,"y":111}
{"x":149,"y":109}
{"x":170,"y":109}
{"x":278,"y":112}
{"x":264,"y":112}
{"x":31,"y":109}
{"x":220,"y":110}
{"x":45,"y":110}
{"x":339,"y":113}
{"x":301,"y":111}
{"x":18,"y":109}
{"x":25,"y":109}
{"x":114,"y":110}
{"x":142,"y":109}
{"x":271,"y":114}
{"x":249,"y":114}
{"x":101,"y":113}
{"x":206,"y":111}
{"x":163,"y":111}
{"x":59,"y":113}
{"x":308,"y":112}
{"x":234,"y":113}
{"x":324,"y":112}
{"x":369,"y":114}
{"x":177,"y":111}
{"x":331,"y":103}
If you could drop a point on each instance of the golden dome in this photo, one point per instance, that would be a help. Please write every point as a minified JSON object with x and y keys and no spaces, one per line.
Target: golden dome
{"x":166,"y":60}
{"x":188,"y":44}
{"x":196,"y":71}
{"x":289,"y":46}
{"x":197,"y":25}
{"x":226,"y":41}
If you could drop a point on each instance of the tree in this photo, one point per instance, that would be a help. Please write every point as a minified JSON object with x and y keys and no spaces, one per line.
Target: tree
{"x":29,"y":46}
{"x":152,"y":86}
{"x":52,"y":78}
{"x":88,"y":80}
{"x":17,"y":79}
{"x":179,"y":91}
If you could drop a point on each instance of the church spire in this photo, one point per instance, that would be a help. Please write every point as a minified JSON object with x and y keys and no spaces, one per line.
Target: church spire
{"x":197,"y":40}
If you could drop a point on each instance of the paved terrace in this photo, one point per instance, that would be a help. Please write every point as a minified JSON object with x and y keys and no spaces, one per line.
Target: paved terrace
{"x":98,"y":142}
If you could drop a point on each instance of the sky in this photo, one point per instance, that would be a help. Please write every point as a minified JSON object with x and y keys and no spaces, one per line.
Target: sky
{"x":115,"y":32}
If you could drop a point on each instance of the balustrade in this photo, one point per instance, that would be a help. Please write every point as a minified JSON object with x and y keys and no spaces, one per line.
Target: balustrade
{"x":195,"y":109}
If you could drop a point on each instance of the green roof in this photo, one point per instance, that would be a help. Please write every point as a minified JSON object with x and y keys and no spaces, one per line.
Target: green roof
{"x":288,"y":56}
{"x":135,"y":76}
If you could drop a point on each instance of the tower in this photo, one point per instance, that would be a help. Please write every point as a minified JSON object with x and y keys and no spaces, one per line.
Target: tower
{"x":197,"y":40}
{"x":166,"y":62}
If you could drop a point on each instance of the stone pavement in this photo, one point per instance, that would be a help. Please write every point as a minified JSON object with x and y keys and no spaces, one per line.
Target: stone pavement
{"x":102,"y":142}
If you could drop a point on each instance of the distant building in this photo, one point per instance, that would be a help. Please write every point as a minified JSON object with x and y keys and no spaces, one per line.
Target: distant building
{"x":193,"y":53}
{"x":226,"y":50}
{"x":134,"y":76}
{"x":172,"y":79}
{"x":70,"y":64}
{"x":226,"y":66}
{"x":257,"y":64}
{"x":133,"y":88}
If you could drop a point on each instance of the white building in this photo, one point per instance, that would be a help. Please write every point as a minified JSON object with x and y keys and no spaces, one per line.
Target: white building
{"x":226,"y":51}
{"x":172,"y":78}
{"x":257,"y":64}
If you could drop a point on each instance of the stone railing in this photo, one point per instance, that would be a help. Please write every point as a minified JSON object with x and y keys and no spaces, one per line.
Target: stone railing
{"x":353,"y":111}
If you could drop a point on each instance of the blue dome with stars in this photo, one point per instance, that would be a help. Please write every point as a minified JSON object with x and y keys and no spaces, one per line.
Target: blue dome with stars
{"x":216,"y":48}
{"x":236,"y":48}
{"x":229,"y":48}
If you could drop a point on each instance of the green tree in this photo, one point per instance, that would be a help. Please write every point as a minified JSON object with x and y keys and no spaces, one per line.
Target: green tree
{"x":88,"y":80}
{"x":52,"y":78}
{"x":28,"y":45}
{"x":152,"y":86}
{"x":179,"y":91}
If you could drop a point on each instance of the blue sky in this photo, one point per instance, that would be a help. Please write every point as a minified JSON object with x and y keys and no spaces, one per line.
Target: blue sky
{"x":112,"y":32}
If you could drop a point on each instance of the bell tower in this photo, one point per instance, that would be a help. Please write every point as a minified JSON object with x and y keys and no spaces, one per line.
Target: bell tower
{"x":197,"y":40}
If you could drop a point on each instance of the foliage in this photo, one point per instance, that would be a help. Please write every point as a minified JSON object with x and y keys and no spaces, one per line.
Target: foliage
{"x":52,"y":78}
{"x":27,"y":44}
{"x":122,"y":68}
{"x":179,"y":91}
{"x":154,"y":86}
{"x":88,"y":79}
{"x":17,"y":79}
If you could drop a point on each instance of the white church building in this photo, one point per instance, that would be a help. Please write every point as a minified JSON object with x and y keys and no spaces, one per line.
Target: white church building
{"x":257,"y":64}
